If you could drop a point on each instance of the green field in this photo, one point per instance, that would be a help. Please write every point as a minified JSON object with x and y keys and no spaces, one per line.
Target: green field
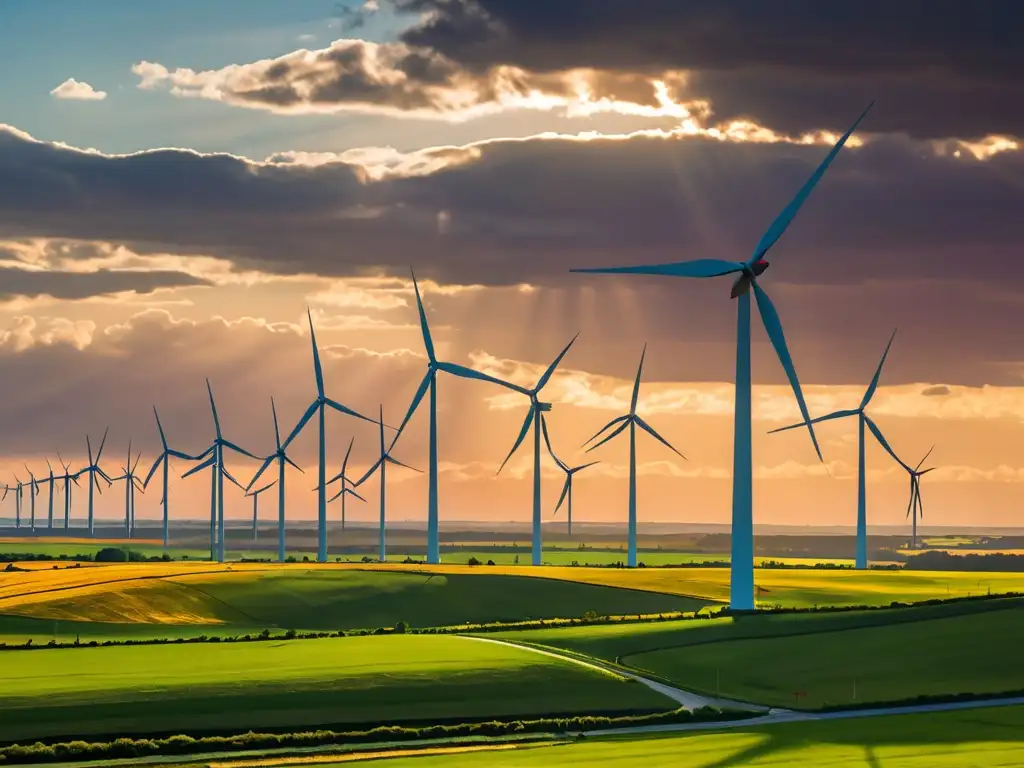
{"x":292,"y":684}
{"x":984,"y":738}
{"x":831,"y":658}
{"x":311,"y":599}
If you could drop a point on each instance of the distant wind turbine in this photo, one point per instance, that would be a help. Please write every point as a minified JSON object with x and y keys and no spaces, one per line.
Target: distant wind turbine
{"x":17,"y":500}
{"x":131,"y":483}
{"x":282,"y":460}
{"x":569,"y":473}
{"x":164,"y":460}
{"x":863,"y":422}
{"x":381,"y":464}
{"x":50,"y":481}
{"x":92,"y":470}
{"x":535,"y":416}
{"x":631,"y":420}
{"x":742,"y":568}
{"x":320,"y":405}
{"x":68,"y":478}
{"x":256,"y":507}
{"x":916,"y":505}
{"x":216,"y":461}
{"x":345,"y":482}
{"x":430,"y":381}
{"x":33,"y":491}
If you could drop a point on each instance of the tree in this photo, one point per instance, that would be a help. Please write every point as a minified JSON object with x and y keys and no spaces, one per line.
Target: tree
{"x":111,"y":555}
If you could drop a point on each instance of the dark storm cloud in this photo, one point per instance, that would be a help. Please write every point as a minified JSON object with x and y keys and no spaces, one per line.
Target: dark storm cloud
{"x":82,"y":285}
{"x":527,"y":211}
{"x":938,"y":68}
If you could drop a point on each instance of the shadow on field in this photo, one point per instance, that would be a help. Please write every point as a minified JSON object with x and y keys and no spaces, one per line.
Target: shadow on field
{"x":942,"y":733}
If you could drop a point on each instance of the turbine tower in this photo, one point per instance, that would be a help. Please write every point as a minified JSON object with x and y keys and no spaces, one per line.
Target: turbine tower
{"x":131,"y":482}
{"x":535,"y":416}
{"x":164,"y":460}
{"x":381,"y":464}
{"x":17,"y":501}
{"x":92,"y":470}
{"x":742,"y":569}
{"x":33,"y":491}
{"x":569,"y":473}
{"x":282,"y":459}
{"x":345,"y":481}
{"x":631,"y":420}
{"x":256,"y":507}
{"x":50,"y":481}
{"x":320,"y":406}
{"x":430,"y":381}
{"x":216,"y":461}
{"x":863,"y":422}
{"x":916,"y":505}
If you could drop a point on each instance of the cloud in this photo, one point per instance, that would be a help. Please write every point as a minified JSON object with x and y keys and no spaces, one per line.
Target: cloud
{"x":77,"y":91}
{"x":793,"y":66}
{"x":15,"y":282}
{"x":936,"y":390}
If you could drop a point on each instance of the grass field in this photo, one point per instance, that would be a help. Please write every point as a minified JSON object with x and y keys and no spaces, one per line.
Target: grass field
{"x":987,"y":738}
{"x":300,"y":597}
{"x":875,"y":656}
{"x":290,"y":684}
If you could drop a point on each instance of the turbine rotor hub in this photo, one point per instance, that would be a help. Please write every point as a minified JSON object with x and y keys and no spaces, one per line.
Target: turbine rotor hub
{"x":542,"y":406}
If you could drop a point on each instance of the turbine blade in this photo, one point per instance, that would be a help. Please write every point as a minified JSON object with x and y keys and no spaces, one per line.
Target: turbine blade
{"x":565,"y":491}
{"x":400,"y":464}
{"x":920,"y":501}
{"x":610,"y":424}
{"x":277,"y":431}
{"x":199,"y":467}
{"x":468,"y":373}
{"x":522,"y":435}
{"x":551,"y":368}
{"x":878,"y":374}
{"x":883,"y":442}
{"x":261,"y":490}
{"x":353,"y":493}
{"x":420,"y":392}
{"x":772,"y":324}
{"x":236,"y":449}
{"x":926,"y":471}
{"x":103,"y":442}
{"x":289,"y":461}
{"x":653,"y":433}
{"x":574,"y":470}
{"x":694,"y":268}
{"x":230,"y":477}
{"x":922,"y":461}
{"x":636,"y":384}
{"x":913,"y":490}
{"x":428,"y":343}
{"x":609,"y":436}
{"x":88,"y":448}
{"x":817,"y":420}
{"x":347,"y":411}
{"x":302,"y":422}
{"x":160,"y":428}
{"x":547,"y":442}
{"x":152,"y":470}
{"x":783,"y":220}
{"x":348,"y":452}
{"x":335,"y":496}
{"x":188,"y":456}
{"x":317,"y":368}
{"x":370,"y":471}
{"x":259,"y":472}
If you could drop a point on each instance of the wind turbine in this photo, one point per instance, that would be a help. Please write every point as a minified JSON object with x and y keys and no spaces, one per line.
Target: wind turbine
{"x":282,"y":459}
{"x":164,"y":460}
{"x":381,"y":464}
{"x":345,"y":480}
{"x":569,"y":473}
{"x":631,"y":420}
{"x":742,"y":568}
{"x":216,"y":461}
{"x":320,"y":405}
{"x":430,"y":381}
{"x":67,"y":477}
{"x":51,"y":480}
{"x":92,"y":470}
{"x":863,"y":421}
{"x":17,"y":501}
{"x":916,"y":506}
{"x":33,"y":491}
{"x":131,"y":482}
{"x":256,"y":506}
{"x":535,"y":416}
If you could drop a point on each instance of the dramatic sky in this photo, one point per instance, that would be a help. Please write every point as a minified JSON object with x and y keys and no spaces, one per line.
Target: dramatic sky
{"x":178,"y":182}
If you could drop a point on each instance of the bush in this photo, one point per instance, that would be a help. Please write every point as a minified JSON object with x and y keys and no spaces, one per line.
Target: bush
{"x":473,"y":561}
{"x":400,"y":628}
{"x":111,"y":555}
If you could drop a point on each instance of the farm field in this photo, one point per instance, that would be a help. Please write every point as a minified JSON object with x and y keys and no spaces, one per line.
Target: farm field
{"x":984,"y":738}
{"x":300,"y":597}
{"x":290,"y":684}
{"x":833,"y":659}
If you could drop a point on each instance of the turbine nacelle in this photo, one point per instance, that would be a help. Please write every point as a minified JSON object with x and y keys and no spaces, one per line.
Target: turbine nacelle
{"x":542,"y":406}
{"x":742,"y":284}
